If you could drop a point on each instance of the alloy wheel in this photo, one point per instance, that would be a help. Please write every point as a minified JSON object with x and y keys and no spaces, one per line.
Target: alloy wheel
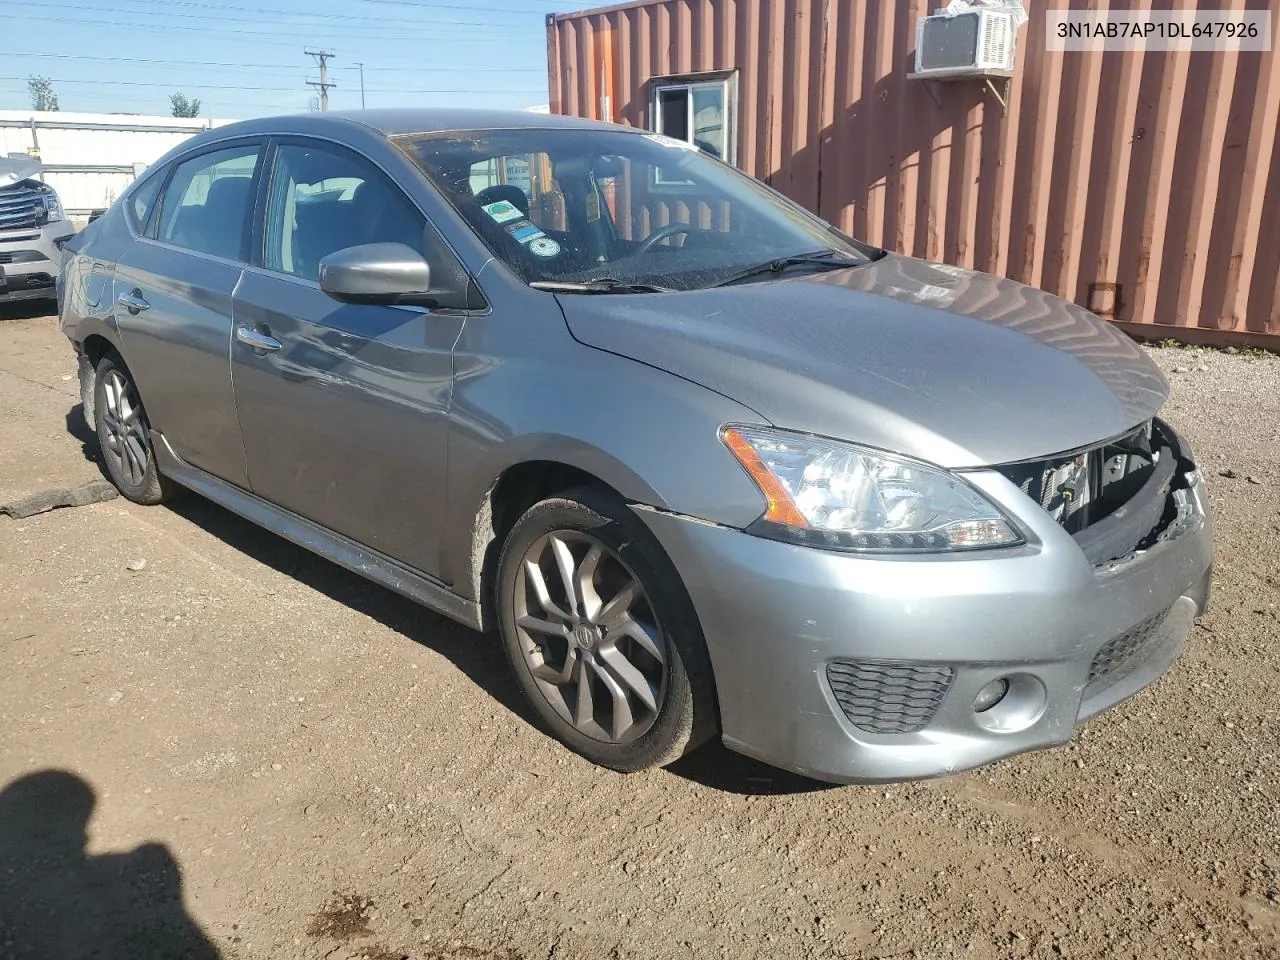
{"x":126,"y":440}
{"x":590,"y":637}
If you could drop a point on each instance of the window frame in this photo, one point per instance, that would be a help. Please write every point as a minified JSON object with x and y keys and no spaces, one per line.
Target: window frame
{"x":258,"y":242}
{"x":159,"y":177}
{"x":157,"y":213}
{"x":726,"y":81}
{"x":258,"y":233}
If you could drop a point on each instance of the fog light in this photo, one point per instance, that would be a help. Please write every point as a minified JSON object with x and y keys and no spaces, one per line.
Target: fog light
{"x":990,"y":695}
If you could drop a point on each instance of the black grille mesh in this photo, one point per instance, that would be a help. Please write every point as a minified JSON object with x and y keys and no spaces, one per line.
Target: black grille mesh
{"x":888,"y":696}
{"x":1118,"y":658}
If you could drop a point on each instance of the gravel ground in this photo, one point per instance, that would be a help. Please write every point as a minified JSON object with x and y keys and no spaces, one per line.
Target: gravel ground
{"x":267,"y":757}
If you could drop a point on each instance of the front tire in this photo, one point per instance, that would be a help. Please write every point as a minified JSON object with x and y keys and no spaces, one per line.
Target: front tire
{"x":601,"y":634}
{"x":124,"y":434}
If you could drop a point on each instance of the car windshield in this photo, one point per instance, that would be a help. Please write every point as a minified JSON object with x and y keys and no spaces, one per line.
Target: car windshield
{"x":573,"y":206}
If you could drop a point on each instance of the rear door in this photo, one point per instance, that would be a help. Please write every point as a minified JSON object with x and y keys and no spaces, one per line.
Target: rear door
{"x":173,"y":291}
{"x":343,"y":407}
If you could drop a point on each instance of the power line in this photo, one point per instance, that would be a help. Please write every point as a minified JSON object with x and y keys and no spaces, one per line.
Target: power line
{"x":210,"y":86}
{"x":454,"y":6}
{"x":340,"y":34}
{"x":427,"y":4}
{"x":296,"y":19}
{"x":265,"y":67}
{"x":167,"y":86}
{"x":198,"y":5}
{"x":75,"y":97}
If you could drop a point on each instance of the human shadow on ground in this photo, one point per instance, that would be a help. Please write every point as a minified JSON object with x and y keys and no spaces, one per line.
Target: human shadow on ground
{"x":57,"y":900}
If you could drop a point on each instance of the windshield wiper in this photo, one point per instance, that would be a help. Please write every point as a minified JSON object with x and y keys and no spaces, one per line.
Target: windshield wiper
{"x":825,"y":259}
{"x":598,"y":285}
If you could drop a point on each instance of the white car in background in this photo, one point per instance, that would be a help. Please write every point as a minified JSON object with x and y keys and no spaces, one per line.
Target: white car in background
{"x":33,"y":228}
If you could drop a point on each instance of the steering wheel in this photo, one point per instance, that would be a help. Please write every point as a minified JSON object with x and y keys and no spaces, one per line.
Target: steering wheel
{"x":670,"y":230}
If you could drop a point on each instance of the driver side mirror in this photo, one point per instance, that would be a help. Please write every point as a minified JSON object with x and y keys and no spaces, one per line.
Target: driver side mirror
{"x":384,"y":273}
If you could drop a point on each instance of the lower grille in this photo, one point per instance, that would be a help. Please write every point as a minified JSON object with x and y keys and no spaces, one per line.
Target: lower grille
{"x":1120,"y":657}
{"x":22,"y":256}
{"x":28,"y":281}
{"x":888,"y":696}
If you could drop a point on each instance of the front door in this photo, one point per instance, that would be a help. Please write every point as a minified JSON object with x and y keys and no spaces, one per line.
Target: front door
{"x":342,"y":407}
{"x":173,"y":307}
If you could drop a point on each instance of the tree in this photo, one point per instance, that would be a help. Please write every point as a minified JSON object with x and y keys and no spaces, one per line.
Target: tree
{"x":42,"y":95}
{"x":182,"y":107}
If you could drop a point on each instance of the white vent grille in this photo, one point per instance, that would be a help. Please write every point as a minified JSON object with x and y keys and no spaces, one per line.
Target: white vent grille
{"x":997,"y":40}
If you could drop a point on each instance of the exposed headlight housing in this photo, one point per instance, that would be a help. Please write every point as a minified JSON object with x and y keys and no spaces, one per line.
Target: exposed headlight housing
{"x":53,"y":211}
{"x":837,"y":495}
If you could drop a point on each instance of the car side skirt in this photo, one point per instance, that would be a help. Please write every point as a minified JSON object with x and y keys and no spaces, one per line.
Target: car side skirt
{"x":344,"y":551}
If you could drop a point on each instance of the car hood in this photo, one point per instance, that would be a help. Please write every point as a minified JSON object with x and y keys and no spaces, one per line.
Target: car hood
{"x":934,"y":362}
{"x":18,"y":167}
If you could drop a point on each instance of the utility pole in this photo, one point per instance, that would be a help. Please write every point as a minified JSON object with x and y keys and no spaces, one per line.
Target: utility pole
{"x":361,"y":66}
{"x":322,"y":58}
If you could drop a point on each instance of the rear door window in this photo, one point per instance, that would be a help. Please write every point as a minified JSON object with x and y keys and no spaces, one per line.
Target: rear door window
{"x":142,"y":200}
{"x":206,"y":205}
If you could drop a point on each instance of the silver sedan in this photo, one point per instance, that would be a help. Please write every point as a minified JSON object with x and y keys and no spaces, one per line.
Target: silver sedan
{"x":708,"y":466}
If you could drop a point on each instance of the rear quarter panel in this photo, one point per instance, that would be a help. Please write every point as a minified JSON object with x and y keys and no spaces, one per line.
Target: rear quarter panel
{"x":85,"y":302}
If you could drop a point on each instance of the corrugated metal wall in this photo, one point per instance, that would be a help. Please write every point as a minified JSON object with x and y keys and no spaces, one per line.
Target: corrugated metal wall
{"x":1143,"y":186}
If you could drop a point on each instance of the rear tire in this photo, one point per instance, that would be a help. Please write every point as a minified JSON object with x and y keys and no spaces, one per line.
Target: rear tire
{"x":124,"y":434}
{"x":628,"y":632}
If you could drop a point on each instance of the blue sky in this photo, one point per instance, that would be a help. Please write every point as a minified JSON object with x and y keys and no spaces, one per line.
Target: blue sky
{"x":110,"y":56}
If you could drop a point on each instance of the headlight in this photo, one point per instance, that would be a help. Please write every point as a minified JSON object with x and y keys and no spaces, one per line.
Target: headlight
{"x":830,"y":494}
{"x":52,"y":206}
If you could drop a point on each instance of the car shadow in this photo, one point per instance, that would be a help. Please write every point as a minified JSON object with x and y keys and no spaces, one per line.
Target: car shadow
{"x":718,"y":767}
{"x":480,"y":657}
{"x":57,"y":900}
{"x":27,"y":309}
{"x":79,"y":429}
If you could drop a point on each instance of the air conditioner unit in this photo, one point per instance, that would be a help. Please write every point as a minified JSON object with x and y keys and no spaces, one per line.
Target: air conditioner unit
{"x":974,"y":43}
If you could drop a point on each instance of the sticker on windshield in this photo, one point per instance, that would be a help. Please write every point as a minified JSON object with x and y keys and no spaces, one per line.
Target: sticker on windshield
{"x":544,"y":247}
{"x":526,"y":234}
{"x":502,"y":211}
{"x":523,"y":232}
{"x":670,"y":141}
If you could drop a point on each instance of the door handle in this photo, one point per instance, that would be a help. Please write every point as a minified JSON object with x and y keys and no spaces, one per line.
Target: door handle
{"x":133,"y":302}
{"x":256,"y":339}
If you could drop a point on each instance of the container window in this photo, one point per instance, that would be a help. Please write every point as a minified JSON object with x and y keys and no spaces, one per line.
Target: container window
{"x":698,"y":111}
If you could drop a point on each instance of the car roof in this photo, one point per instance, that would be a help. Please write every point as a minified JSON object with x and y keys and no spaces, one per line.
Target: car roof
{"x":398,"y":122}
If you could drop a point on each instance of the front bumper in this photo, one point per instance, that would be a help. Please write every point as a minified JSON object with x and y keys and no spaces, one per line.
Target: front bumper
{"x":925,"y":634}
{"x":30,"y":259}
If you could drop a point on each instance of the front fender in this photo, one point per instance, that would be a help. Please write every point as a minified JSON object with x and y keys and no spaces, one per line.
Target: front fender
{"x":651,"y":436}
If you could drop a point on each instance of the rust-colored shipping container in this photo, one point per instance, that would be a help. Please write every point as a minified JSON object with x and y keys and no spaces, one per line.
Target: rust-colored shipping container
{"x":1143,"y":185}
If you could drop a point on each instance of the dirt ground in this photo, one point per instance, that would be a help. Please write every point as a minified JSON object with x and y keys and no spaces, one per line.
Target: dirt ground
{"x":265,"y":756}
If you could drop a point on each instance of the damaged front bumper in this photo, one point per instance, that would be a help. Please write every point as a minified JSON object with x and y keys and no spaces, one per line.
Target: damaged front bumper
{"x":30,"y":260}
{"x":857,"y":669}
